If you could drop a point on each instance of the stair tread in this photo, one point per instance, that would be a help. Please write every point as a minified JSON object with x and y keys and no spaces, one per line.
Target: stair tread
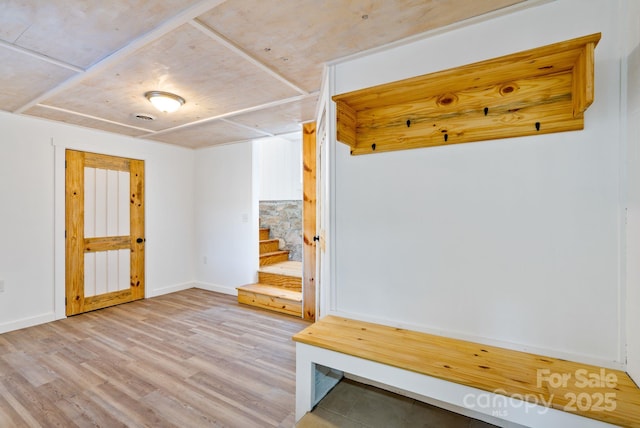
{"x":269,"y":290}
{"x":264,"y":241}
{"x":274,"y":253}
{"x":288,"y":268}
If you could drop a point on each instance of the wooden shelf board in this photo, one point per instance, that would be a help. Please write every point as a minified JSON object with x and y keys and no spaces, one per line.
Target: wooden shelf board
{"x":538,"y":91}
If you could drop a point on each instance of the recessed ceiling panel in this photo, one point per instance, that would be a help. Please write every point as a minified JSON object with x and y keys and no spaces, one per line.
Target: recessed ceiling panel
{"x":298,"y":36}
{"x":81,"y":32}
{"x":24,"y":78}
{"x":87,"y":122}
{"x":15,"y":17}
{"x":281,"y":119}
{"x":211,"y":79}
{"x":207,"y":134}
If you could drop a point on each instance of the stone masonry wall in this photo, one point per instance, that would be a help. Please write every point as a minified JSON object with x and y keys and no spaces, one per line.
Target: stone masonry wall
{"x":284,"y":218}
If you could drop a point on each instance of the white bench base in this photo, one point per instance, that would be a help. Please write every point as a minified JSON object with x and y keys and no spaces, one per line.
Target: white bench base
{"x":487,"y":406}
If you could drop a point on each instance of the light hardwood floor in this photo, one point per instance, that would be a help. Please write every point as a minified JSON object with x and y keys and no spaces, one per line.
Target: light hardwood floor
{"x":188,"y":359}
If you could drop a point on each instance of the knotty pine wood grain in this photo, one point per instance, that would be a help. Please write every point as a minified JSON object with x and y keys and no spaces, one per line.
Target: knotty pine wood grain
{"x":309,"y":221}
{"x":108,"y":243}
{"x":488,"y":368}
{"x":541,"y":90}
{"x":136,"y":214}
{"x":74,"y":227}
{"x":188,"y":359}
{"x":293,"y":283}
{"x":94,"y":160}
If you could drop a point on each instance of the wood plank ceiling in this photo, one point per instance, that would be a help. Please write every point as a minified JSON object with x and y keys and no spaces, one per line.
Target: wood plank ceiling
{"x":246,"y":68}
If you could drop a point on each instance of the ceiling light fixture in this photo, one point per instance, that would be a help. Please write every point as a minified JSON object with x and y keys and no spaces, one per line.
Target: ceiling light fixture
{"x":164,"y":101}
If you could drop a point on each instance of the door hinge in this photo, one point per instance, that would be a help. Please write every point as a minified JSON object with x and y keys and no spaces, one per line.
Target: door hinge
{"x":65,"y":164}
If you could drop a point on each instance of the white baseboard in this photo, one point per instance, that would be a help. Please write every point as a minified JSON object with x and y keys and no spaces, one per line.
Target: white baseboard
{"x":27,"y":322}
{"x":51,"y":316}
{"x":169,"y":289}
{"x":217,"y":288}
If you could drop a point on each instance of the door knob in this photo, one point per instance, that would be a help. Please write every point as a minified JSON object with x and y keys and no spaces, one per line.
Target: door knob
{"x":139,"y":240}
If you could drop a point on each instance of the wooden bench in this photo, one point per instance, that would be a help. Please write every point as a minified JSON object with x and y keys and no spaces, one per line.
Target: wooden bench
{"x":498,"y":385}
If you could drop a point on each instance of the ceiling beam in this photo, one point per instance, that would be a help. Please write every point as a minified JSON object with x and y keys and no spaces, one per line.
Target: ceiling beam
{"x":88,"y":116}
{"x":213,"y":34}
{"x":248,"y":128}
{"x":231,"y":114}
{"x":165,"y":27}
{"x":41,"y":57}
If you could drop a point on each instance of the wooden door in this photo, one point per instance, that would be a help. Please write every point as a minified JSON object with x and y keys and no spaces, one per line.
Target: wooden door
{"x":105,"y":239}
{"x":309,"y":220}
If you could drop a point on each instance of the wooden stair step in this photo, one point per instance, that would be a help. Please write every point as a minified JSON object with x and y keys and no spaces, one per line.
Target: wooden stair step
{"x":264,"y":233}
{"x":282,"y":281}
{"x":289,"y":268}
{"x":276,"y":299}
{"x":284,"y":274}
{"x":274,"y":257}
{"x":269,"y":245}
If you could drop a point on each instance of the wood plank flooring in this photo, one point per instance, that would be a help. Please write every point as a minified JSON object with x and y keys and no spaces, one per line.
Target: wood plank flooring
{"x":189,"y":359}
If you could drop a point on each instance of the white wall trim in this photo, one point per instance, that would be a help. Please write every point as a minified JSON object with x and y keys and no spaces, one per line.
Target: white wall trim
{"x":59,"y":251}
{"x":27,"y":322}
{"x":170,"y":289}
{"x":217,"y":288}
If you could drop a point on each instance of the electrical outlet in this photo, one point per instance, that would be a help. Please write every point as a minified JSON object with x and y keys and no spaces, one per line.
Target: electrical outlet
{"x":1,"y":285}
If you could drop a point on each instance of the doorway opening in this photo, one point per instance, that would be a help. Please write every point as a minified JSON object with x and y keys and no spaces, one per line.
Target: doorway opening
{"x":286,"y":171}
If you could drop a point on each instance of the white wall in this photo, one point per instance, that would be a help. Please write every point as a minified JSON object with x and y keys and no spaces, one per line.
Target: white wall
{"x":32,"y":214}
{"x":514,"y":242}
{"x":280,"y":168}
{"x":633,"y":215}
{"x":226,"y":217}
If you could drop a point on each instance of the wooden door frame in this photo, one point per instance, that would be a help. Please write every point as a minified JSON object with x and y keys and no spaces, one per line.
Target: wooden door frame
{"x":309,"y":221}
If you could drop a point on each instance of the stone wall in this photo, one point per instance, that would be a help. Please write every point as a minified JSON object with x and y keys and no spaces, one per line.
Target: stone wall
{"x":284,"y":218}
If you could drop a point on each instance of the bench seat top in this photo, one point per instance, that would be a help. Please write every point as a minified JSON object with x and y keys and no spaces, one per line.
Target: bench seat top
{"x":595,"y":392}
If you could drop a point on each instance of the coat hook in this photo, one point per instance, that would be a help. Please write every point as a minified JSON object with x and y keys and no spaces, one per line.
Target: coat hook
{"x":408,"y":123}
{"x":373,"y":146}
{"x":486,"y":110}
{"x":537,"y":126}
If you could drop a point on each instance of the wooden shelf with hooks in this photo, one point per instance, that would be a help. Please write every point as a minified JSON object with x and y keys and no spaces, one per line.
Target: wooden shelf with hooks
{"x":538,"y":91}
